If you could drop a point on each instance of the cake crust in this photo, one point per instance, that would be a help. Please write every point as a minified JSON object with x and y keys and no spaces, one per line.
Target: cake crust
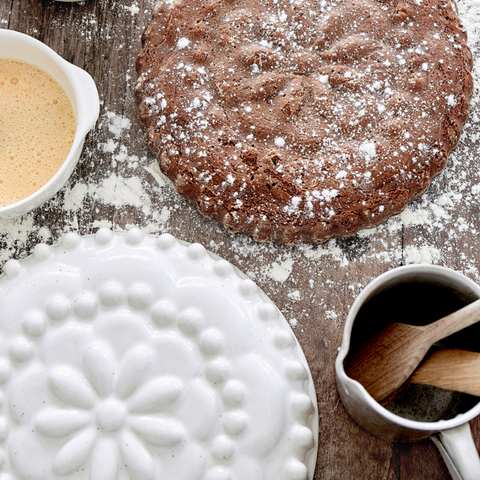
{"x":299,"y":121}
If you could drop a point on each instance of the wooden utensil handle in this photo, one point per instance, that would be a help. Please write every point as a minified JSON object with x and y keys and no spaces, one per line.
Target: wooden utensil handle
{"x":454,"y":322}
{"x":452,"y":369}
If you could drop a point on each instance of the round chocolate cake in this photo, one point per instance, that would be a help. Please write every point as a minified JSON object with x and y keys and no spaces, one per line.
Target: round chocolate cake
{"x":302,"y":120}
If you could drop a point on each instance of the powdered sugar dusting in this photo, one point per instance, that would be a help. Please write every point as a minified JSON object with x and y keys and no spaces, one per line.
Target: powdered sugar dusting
{"x":368,"y":148}
{"x":183,"y":43}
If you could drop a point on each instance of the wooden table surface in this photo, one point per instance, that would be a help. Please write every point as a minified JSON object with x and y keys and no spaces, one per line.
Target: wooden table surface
{"x":117,"y":184}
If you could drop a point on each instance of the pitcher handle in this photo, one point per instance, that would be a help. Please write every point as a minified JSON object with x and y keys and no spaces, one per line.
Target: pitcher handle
{"x":459,"y":453}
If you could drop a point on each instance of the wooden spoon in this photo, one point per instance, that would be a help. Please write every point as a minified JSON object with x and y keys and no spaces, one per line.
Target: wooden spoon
{"x":453,"y":369}
{"x":386,"y":361}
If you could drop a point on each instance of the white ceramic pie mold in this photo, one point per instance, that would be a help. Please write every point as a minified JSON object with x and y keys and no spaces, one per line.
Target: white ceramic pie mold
{"x":127,"y":356}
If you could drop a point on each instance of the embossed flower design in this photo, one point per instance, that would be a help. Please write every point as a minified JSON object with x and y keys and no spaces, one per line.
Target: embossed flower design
{"x":111,"y":417}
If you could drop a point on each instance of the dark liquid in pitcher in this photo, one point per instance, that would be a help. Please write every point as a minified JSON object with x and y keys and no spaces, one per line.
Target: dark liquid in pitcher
{"x":419,"y":304}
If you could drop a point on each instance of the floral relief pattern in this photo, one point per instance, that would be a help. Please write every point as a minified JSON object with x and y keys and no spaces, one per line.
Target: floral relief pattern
{"x":134,"y":375}
{"x":111,"y":418}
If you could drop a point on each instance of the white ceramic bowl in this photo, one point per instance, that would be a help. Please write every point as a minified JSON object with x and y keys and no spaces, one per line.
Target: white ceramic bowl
{"x":81,"y":91}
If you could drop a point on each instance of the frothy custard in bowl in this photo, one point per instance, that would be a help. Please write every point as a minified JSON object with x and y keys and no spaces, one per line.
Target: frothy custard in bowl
{"x":37,"y":129}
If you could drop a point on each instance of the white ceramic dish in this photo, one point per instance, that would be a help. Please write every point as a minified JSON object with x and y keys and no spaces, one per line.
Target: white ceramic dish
{"x":82,"y":93}
{"x":141,"y":357}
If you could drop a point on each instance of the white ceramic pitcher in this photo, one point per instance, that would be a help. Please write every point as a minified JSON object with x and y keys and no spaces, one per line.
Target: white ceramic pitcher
{"x":452,"y":437}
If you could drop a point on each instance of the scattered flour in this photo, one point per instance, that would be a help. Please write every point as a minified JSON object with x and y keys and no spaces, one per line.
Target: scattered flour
{"x":421,"y":255}
{"x":331,"y":315}
{"x":281,"y":271}
{"x":74,"y":197}
{"x":418,"y":217}
{"x":117,"y":124}
{"x":294,"y":295}
{"x":293,"y":322}
{"x":133,"y":9}
{"x":154,"y":170}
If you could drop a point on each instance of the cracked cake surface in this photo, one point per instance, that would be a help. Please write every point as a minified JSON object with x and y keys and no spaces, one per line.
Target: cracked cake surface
{"x":298,"y":120}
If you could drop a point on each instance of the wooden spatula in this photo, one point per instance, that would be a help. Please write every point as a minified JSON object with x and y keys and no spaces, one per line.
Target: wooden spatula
{"x":452,"y":369}
{"x":386,"y":361}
